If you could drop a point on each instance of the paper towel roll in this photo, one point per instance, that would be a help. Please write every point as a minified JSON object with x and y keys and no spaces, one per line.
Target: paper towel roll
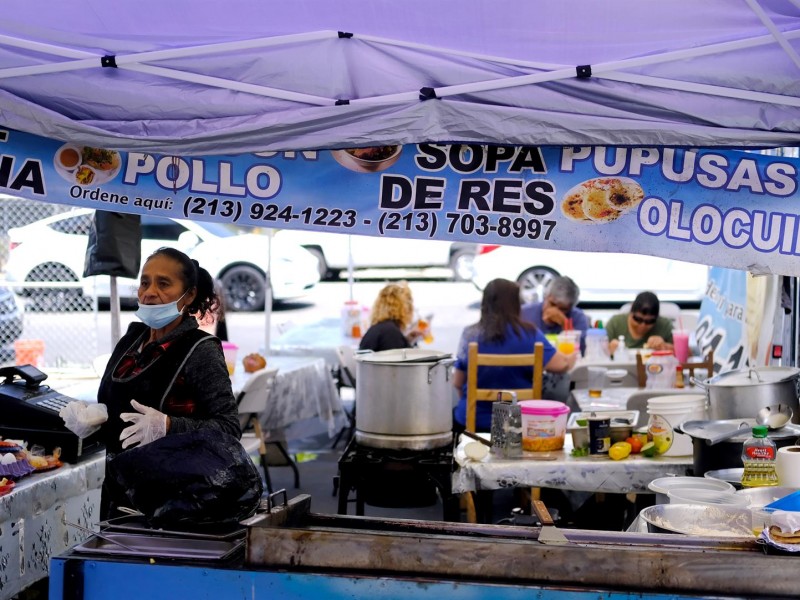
{"x":787,"y":464}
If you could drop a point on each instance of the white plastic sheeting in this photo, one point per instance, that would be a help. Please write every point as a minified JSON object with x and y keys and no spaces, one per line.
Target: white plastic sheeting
{"x":198,"y":77}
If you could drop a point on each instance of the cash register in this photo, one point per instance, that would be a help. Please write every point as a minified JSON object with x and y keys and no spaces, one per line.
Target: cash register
{"x":29,"y":411}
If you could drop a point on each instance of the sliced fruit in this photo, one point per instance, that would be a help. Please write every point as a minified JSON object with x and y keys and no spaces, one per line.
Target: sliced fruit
{"x":649,"y":449}
{"x":619,"y":450}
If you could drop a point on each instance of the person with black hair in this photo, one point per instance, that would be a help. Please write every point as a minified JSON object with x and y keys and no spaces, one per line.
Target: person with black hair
{"x":501,"y":330}
{"x":165,"y":375}
{"x":641,"y":327}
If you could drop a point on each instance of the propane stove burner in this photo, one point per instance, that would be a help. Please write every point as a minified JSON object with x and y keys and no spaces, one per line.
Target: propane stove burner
{"x":396,"y":478}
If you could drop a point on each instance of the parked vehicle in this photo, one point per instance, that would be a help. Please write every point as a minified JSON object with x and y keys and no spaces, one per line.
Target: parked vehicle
{"x":332,"y":252}
{"x":601,"y":277}
{"x":11,"y":318}
{"x":54,"y":250}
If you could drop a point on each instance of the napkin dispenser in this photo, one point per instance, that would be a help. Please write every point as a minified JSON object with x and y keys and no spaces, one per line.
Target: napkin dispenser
{"x":506,"y":426}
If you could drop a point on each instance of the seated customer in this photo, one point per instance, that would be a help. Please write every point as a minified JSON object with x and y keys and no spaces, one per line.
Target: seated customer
{"x":641,"y":327}
{"x":559,"y":305}
{"x":501,"y":331}
{"x":391,"y":318}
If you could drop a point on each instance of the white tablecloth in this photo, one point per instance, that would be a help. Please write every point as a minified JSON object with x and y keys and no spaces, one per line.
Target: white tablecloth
{"x":303,"y":400}
{"x":586,"y":474}
{"x":31,"y":520}
{"x":321,"y":338}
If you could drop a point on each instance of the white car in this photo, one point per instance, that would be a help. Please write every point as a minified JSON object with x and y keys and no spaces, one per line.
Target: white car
{"x":601,"y":277}
{"x":54,"y":250}
{"x":331,"y":250}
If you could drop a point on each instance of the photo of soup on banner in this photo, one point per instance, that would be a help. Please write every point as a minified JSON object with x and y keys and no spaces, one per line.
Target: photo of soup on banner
{"x":601,"y":200}
{"x":85,"y":165}
{"x":367,"y":160}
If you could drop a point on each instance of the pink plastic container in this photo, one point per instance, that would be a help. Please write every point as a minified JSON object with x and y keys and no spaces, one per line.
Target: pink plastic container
{"x":544,"y":424}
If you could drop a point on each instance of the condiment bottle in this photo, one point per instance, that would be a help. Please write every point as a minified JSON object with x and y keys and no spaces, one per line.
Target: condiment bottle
{"x":758,"y":455}
{"x":679,"y":377}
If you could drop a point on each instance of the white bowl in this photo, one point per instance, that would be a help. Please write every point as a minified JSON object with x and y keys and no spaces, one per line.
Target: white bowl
{"x":706,"y":497}
{"x":663,"y":485}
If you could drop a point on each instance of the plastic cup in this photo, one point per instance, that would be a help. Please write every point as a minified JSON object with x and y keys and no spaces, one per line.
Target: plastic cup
{"x":229,"y":349}
{"x":597,"y":381}
{"x":568,"y":341}
{"x":680,"y":341}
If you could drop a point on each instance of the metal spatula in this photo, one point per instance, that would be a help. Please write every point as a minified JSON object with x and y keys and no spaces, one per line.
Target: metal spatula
{"x":548,"y":534}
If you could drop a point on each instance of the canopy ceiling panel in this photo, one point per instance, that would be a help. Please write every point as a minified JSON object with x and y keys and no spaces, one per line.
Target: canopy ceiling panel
{"x":201,"y":77}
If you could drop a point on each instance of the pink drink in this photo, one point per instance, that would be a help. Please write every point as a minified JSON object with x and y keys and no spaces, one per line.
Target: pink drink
{"x":680,"y":340}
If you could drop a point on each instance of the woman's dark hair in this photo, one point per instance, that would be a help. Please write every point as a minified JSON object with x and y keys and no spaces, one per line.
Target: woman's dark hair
{"x":499,"y":309}
{"x":194,"y":277}
{"x":646,"y":303}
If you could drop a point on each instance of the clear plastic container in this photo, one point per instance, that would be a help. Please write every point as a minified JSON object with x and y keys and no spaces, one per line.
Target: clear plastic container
{"x":705,"y":497}
{"x":660,"y":369}
{"x":758,"y":456}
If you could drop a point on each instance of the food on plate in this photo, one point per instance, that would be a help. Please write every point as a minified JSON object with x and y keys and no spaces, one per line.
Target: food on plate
{"x":4,"y":481}
{"x":619,"y":451}
{"x":37,"y":462}
{"x":84,"y":175}
{"x":373,"y":153}
{"x":601,"y":200}
{"x":100,"y":158}
{"x":254,"y":362}
{"x":69,"y":157}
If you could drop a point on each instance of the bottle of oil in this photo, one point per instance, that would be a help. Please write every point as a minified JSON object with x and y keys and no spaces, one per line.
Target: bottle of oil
{"x":758,"y":456}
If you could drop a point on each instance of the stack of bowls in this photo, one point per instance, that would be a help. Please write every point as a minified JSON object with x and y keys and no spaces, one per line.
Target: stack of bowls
{"x":698,"y":486}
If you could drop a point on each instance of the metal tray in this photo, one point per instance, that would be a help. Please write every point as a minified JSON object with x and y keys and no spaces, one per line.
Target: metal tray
{"x":618,"y":417}
{"x":154,"y":546}
{"x":138,"y":524}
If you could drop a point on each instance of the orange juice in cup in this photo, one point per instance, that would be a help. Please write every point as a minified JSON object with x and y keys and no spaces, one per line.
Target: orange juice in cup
{"x":567,"y":342}
{"x":424,"y":326}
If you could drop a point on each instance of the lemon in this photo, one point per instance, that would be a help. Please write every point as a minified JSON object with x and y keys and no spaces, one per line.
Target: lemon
{"x":649,"y":449}
{"x":619,"y":450}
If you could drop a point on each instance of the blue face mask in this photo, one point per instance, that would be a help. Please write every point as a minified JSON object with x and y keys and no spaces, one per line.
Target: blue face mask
{"x":157,"y":316}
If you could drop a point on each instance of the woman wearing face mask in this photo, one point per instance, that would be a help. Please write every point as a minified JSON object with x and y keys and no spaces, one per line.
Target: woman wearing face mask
{"x":165,"y":375}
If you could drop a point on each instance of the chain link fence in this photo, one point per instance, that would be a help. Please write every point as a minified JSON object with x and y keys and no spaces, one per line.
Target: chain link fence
{"x":45,"y":318}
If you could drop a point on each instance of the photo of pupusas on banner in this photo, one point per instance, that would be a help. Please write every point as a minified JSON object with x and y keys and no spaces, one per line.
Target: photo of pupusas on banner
{"x":601,"y":200}
{"x":367,"y":160}
{"x":86,"y":165}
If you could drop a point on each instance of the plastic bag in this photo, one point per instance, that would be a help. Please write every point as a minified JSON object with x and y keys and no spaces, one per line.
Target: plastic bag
{"x":114,"y":246}
{"x":82,"y":418}
{"x":202,"y":477}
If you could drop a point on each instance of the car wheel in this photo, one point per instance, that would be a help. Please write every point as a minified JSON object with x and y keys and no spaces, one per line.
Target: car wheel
{"x":534,"y":282}
{"x":55,"y":299}
{"x":244,"y":288}
{"x":461,"y":265}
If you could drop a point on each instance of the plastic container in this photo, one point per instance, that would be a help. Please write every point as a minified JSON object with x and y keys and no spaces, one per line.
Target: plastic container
{"x":230,"y":350}
{"x":679,"y":495}
{"x":351,"y":319}
{"x":596,"y":344}
{"x":758,"y":456}
{"x":663,"y":485}
{"x":676,"y":409}
{"x":660,"y":370}
{"x":544,"y":425}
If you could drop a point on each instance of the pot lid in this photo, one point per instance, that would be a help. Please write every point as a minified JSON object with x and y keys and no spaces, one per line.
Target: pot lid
{"x":403,"y":356}
{"x":706,"y":430}
{"x":755,"y":376}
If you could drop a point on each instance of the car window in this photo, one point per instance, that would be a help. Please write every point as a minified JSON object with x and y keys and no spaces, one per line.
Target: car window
{"x":154,"y":228}
{"x":78,"y":225}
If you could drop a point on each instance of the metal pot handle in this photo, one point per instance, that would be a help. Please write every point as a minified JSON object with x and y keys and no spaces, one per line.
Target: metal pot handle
{"x":750,"y":373}
{"x":698,"y":383}
{"x":446,"y":362}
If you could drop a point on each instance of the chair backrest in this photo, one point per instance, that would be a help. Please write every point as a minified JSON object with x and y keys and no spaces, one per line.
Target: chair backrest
{"x":347,"y":364}
{"x":535,"y":360}
{"x":255,"y":393}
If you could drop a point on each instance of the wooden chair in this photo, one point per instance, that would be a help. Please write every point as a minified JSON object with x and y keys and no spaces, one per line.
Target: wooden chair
{"x":535,"y":360}
{"x":707,"y":363}
{"x":252,"y":401}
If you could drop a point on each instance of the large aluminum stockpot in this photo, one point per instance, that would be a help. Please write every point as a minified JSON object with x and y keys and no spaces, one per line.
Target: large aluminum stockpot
{"x":404,"y":399}
{"x":741,"y":394}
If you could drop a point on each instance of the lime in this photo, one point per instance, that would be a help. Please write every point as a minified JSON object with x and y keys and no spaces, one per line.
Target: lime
{"x":649,"y":449}
{"x":619,"y":450}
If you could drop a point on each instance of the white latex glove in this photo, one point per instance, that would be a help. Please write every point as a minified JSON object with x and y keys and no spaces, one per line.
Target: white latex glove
{"x":148,"y":426}
{"x":82,"y":418}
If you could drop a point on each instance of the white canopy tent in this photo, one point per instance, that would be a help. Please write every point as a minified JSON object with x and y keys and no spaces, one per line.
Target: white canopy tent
{"x":200,"y":77}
